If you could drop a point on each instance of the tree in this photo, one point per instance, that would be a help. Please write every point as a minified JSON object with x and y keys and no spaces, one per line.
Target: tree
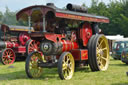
{"x":117,"y":13}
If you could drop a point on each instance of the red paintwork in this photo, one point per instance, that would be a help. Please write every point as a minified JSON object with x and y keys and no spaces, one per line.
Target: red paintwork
{"x":23,"y":38}
{"x":85,"y":33}
{"x":68,"y":45}
{"x":84,"y":54}
{"x":72,"y":45}
{"x":54,"y":36}
{"x":80,"y":54}
{"x":20,"y":49}
{"x":11,"y":45}
{"x":76,"y":17}
{"x":16,"y":47}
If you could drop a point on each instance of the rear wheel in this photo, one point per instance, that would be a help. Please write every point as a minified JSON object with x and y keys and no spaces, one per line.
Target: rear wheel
{"x":31,"y":67}
{"x":7,"y":56}
{"x":98,"y":53}
{"x":66,"y":66}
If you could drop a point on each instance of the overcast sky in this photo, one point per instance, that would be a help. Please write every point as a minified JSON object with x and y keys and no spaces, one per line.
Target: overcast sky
{"x":14,"y":5}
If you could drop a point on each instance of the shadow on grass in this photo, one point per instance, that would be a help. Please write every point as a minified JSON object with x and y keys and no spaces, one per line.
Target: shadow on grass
{"x":13,"y":75}
{"x":114,"y":59}
{"x":118,"y":64}
{"x":82,"y":69}
{"x":120,"y":84}
{"x":47,"y":74}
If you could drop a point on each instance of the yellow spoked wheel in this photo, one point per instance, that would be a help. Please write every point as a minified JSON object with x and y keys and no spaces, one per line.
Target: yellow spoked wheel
{"x":66,"y":66}
{"x":98,"y":53}
{"x":31,"y":67}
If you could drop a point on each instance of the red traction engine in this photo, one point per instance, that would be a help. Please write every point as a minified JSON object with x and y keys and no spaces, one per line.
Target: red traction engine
{"x":68,"y":38}
{"x":13,"y":41}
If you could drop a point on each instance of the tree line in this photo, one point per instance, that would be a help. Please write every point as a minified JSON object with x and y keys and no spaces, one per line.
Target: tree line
{"x":9,"y":18}
{"x":116,"y":11}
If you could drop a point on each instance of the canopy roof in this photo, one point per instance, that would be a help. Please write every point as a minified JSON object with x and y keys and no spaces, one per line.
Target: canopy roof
{"x":15,"y":28}
{"x":38,"y":10}
{"x":19,"y":28}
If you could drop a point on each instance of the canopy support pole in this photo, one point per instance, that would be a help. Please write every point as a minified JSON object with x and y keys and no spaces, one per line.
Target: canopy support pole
{"x":29,"y":23}
{"x":44,"y":27}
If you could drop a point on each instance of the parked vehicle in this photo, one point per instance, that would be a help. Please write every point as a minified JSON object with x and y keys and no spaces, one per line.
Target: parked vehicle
{"x":13,"y":41}
{"x":67,"y":37}
{"x":124,"y":55}
{"x":117,"y":49}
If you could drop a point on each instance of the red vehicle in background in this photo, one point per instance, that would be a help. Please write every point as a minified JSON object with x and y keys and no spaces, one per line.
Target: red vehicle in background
{"x":68,"y":37}
{"x":13,"y":41}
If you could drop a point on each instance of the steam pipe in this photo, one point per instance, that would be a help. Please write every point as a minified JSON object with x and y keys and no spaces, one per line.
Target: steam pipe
{"x":77,"y":8}
{"x":2,"y":44}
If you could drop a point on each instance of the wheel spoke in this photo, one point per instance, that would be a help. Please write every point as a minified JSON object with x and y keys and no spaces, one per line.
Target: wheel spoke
{"x":31,"y":44}
{"x":104,"y":48}
{"x":64,"y":67}
{"x":65,"y":73}
{"x":101,"y":43}
{"x":104,"y":58}
{"x":97,"y":50}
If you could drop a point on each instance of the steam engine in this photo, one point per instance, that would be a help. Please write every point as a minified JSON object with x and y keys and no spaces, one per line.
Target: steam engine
{"x":65,"y":37}
{"x":12,"y":43}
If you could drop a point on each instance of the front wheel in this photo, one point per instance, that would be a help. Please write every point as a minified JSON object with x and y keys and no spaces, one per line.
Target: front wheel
{"x":66,"y":66}
{"x":31,"y":67}
{"x":98,"y":51}
{"x":7,"y":56}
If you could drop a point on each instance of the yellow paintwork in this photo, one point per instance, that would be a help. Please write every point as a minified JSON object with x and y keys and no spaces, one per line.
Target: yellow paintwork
{"x":102,"y":51}
{"x":16,"y":29}
{"x":68,"y":66}
{"x":33,"y":65}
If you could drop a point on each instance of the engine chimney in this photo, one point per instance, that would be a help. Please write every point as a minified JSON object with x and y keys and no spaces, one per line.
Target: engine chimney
{"x":76,"y":8}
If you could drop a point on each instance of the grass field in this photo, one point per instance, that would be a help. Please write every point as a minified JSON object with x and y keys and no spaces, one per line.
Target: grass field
{"x":115,"y":75}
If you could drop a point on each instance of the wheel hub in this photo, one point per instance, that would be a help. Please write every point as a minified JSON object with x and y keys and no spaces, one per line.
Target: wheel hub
{"x":8,"y":56}
{"x":35,"y":49}
{"x":46,"y":47}
{"x":101,"y":52}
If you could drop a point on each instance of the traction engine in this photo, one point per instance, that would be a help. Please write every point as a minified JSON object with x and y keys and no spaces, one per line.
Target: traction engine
{"x":67,"y":39}
{"x":13,"y":41}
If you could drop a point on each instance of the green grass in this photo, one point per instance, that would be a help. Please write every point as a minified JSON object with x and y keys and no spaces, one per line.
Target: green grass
{"x":115,"y":75}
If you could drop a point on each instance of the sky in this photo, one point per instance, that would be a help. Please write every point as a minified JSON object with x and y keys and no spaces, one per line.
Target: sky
{"x":15,"y":5}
